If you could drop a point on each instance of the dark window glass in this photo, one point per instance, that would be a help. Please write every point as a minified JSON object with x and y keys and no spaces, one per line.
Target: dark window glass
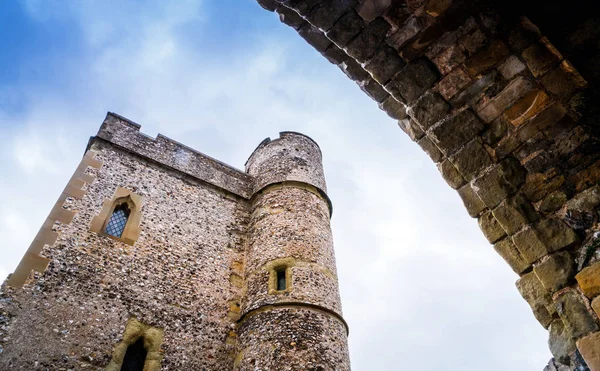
{"x":118,"y":220}
{"x":135,"y":357}
{"x":281,"y":284}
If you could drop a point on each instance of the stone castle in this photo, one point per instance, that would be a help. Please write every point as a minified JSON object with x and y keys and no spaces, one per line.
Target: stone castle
{"x":156,"y":256}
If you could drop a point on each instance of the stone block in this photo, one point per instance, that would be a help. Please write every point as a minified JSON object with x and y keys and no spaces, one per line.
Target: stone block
{"x":393,"y":108}
{"x":491,"y":228}
{"x":495,"y":53}
{"x":269,"y":5}
{"x":495,"y":131}
{"x":384,"y":64}
{"x":417,"y":47}
{"x":540,"y":58}
{"x":354,"y":70}
{"x":539,"y":185}
{"x":430,"y":148}
{"x":373,"y":90}
{"x":596,"y":305}
{"x":478,"y":88}
{"x":511,"y":93}
{"x":560,"y":342}
{"x":428,"y":110}
{"x":501,"y":181}
{"x":472,"y":42}
{"x":553,"y":202}
{"x":326,"y":13}
{"x":589,"y":347}
{"x":335,"y":55}
{"x":537,"y":297}
{"x":366,"y":43}
{"x":511,"y":67}
{"x":314,"y":37}
{"x":453,"y":83}
{"x":589,"y":280}
{"x":555,"y":234}
{"x":411,"y":128}
{"x":515,"y":212}
{"x":410,"y":29}
{"x":585,"y":178}
{"x":290,"y":17}
{"x":371,"y":9}
{"x":436,"y":7}
{"x":471,"y":159}
{"x":344,"y":30}
{"x":471,"y":201}
{"x":414,"y":79}
{"x":556,"y":271}
{"x":301,"y":6}
{"x":586,"y":200}
{"x":451,"y":174}
{"x":574,"y":313}
{"x":527,"y":107}
{"x":448,"y":59}
{"x":450,"y":134}
{"x":564,"y":80}
{"x":529,"y":245}
{"x":509,"y":252}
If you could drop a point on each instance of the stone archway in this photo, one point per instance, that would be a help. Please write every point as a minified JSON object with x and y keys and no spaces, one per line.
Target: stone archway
{"x":489,"y":91}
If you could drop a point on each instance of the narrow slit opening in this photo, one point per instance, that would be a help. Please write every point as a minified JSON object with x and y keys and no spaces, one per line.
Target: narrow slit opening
{"x":281,"y":280}
{"x":135,"y":357}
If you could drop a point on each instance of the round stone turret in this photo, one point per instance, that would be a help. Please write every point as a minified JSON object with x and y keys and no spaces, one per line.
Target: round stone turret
{"x":291,"y":311}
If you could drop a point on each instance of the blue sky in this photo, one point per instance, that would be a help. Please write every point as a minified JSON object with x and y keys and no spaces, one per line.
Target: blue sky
{"x":421,"y":288}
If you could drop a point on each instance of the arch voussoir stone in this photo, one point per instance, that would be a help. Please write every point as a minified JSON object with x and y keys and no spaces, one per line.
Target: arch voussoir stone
{"x":503,"y":114}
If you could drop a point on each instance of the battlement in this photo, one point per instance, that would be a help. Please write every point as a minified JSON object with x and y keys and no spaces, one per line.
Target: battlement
{"x":125,"y":133}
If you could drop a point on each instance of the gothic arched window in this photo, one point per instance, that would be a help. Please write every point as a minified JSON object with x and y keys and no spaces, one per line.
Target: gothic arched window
{"x":118,"y":220}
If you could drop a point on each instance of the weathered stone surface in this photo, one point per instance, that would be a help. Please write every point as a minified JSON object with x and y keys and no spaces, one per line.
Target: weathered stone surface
{"x":513,"y":91}
{"x":363,"y":46}
{"x":509,"y":252}
{"x":393,"y":108}
{"x":555,"y":234}
{"x":384,"y":64}
{"x":560,"y":342}
{"x":475,"y":90}
{"x":540,"y":58}
{"x":451,"y":174}
{"x":428,"y":110}
{"x":515,"y":212}
{"x":529,"y":244}
{"x":431,"y":149}
{"x":527,"y":107}
{"x":586,"y":200}
{"x":269,"y":5}
{"x":451,"y":133}
{"x":354,"y":70}
{"x":471,"y":201}
{"x":373,"y":90}
{"x":574,"y":313}
{"x":326,"y":13}
{"x":491,"y":228}
{"x":414,"y":79}
{"x":290,"y":17}
{"x":511,"y":67}
{"x":563,"y":80}
{"x":411,"y":128}
{"x":436,"y":7}
{"x":371,"y":9}
{"x":539,"y":185}
{"x":589,"y":280}
{"x":471,"y":159}
{"x":495,"y":131}
{"x":596,"y":305}
{"x":335,"y":55}
{"x":556,"y":271}
{"x":553,"y":202}
{"x":472,"y":42}
{"x":344,"y":30}
{"x":448,"y":59}
{"x":417,"y":47}
{"x":409,"y":30}
{"x":501,"y":181}
{"x":301,"y":6}
{"x":537,"y":297}
{"x":453,"y":83}
{"x":314,"y":37}
{"x":488,"y":58}
{"x":589,"y":347}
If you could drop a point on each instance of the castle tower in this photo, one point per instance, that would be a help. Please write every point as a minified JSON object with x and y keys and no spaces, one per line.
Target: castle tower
{"x":291,"y":312}
{"x":156,"y":256}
